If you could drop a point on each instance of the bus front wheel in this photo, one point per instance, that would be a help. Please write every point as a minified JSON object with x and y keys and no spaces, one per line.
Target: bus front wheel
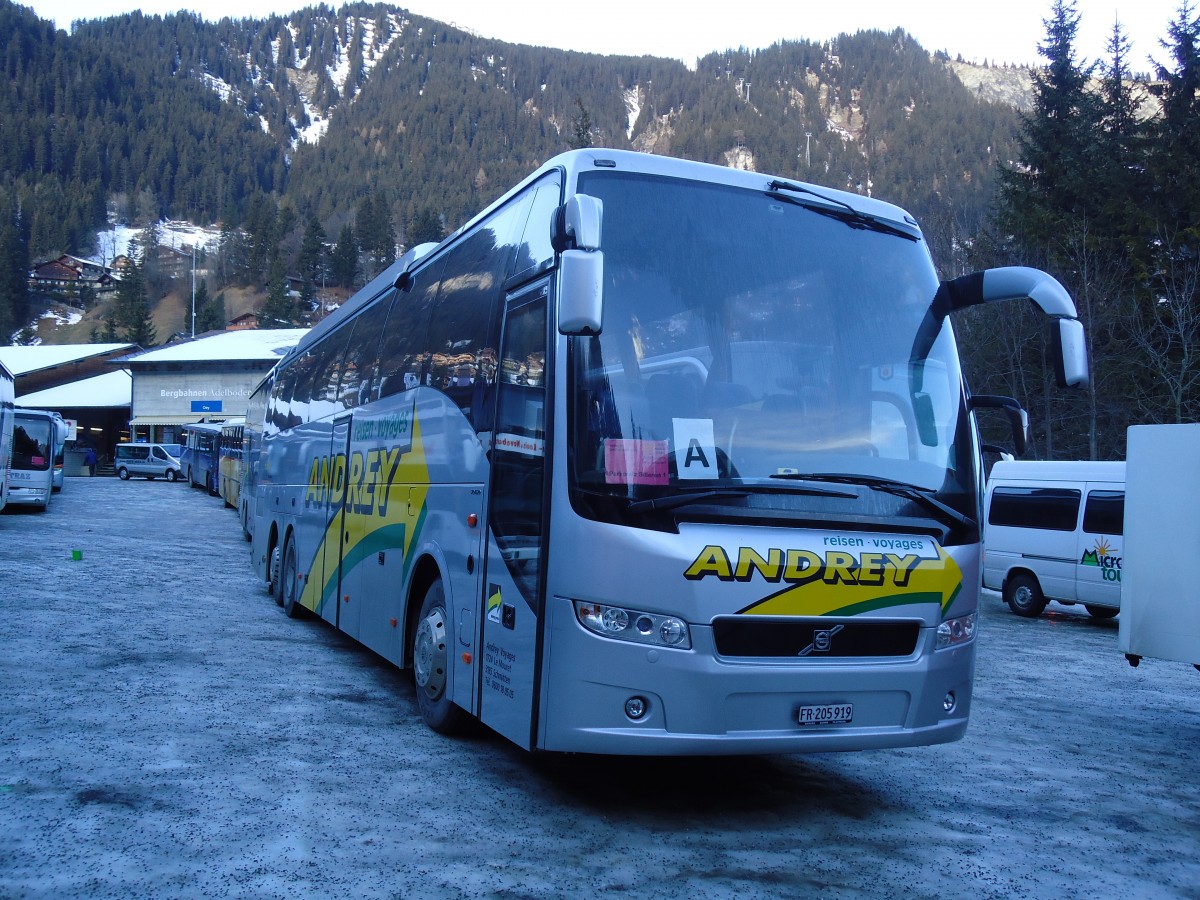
{"x":123,"y":473}
{"x":431,"y":664}
{"x":172,"y":475}
{"x":1024,"y":596}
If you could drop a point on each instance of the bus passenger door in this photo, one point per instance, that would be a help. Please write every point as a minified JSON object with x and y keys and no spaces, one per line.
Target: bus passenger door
{"x":514,"y":577}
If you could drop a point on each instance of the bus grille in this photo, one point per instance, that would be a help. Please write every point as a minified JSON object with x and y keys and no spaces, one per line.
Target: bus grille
{"x":813,"y":638}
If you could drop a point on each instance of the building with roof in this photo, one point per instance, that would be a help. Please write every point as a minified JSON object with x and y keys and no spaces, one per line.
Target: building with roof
{"x":70,"y":276}
{"x":79,"y":382}
{"x":208,"y":379}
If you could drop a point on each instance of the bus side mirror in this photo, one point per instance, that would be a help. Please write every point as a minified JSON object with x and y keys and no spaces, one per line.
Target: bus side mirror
{"x":580,"y":292}
{"x":1070,"y":353}
{"x":1018,"y":419}
{"x":1023,"y":283}
{"x":576,"y":237}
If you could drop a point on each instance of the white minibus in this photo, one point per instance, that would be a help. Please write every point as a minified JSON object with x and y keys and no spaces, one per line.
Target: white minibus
{"x":1054,"y":532}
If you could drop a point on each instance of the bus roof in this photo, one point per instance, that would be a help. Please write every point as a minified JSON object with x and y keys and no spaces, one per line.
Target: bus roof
{"x":572,"y":164}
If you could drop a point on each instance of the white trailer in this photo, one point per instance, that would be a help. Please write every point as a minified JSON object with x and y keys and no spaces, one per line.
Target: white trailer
{"x":1160,"y":598}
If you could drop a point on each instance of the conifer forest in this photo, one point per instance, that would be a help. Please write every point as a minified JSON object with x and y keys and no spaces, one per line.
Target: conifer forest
{"x":324,"y":142}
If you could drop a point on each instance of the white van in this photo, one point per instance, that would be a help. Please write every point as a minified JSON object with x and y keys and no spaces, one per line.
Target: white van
{"x":148,"y":461}
{"x":1054,"y":531}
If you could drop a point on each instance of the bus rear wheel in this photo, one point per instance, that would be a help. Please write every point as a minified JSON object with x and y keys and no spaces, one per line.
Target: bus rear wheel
{"x":1100,"y":612}
{"x":1024,"y":596}
{"x":431,"y":665}
{"x":273,"y":571}
{"x":289,"y":584}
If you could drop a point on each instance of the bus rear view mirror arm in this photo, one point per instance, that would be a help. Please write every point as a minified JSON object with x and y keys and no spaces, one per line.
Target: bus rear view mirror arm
{"x":1018,"y":419}
{"x":1023,"y":283}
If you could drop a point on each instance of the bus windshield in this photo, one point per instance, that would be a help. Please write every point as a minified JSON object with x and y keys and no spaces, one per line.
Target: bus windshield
{"x":31,"y":445}
{"x":749,"y":341}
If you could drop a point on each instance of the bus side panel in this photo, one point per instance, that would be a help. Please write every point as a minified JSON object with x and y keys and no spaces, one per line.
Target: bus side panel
{"x":508,"y":650}
{"x":318,"y":499}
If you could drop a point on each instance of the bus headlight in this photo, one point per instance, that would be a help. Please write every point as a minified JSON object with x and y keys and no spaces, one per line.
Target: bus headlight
{"x":633,"y":625}
{"x":954,"y":632}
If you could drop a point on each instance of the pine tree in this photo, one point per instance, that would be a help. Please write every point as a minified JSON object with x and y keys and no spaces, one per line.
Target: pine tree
{"x":133,"y":309}
{"x":1176,"y":158}
{"x":312,"y":260}
{"x":425,"y":227}
{"x":278,"y":311}
{"x":582,"y":136}
{"x":343,"y":265}
{"x":14,"y":266}
{"x":1052,"y":185}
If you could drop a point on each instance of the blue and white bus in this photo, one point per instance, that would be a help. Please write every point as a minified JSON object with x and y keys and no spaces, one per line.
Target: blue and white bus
{"x":201,"y":456}
{"x":650,"y":457}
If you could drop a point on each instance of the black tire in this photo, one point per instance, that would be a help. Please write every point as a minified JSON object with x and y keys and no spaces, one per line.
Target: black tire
{"x":123,"y":473}
{"x":172,"y":475}
{"x":289,"y":583}
{"x":1024,"y":596}
{"x":1100,"y":612}
{"x":431,"y":666}
{"x":274,"y":567}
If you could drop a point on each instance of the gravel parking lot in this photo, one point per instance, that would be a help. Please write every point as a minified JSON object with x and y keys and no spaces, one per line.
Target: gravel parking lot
{"x":168,"y":732}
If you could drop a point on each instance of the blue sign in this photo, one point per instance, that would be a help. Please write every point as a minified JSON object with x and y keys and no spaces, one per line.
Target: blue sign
{"x":206,"y":406}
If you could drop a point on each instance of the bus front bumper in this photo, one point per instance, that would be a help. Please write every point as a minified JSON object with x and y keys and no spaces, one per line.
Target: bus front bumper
{"x":697,"y":703}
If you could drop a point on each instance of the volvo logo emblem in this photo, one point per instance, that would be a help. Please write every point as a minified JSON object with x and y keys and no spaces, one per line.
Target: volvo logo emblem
{"x":822,"y":640}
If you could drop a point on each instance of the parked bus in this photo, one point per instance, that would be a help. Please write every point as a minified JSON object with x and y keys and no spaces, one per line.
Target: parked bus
{"x":200,"y":459}
{"x":229,"y":461}
{"x":650,"y":457}
{"x":7,"y":410}
{"x":38,"y":436}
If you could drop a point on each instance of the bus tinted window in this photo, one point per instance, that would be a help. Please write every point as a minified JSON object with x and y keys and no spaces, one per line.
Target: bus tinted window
{"x":535,"y":247}
{"x":402,"y":351}
{"x":462,"y":353}
{"x":1104,"y":512}
{"x":1053,"y":509}
{"x":361,"y":368}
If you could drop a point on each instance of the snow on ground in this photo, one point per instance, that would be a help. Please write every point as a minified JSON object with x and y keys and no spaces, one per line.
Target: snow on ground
{"x":168,"y":731}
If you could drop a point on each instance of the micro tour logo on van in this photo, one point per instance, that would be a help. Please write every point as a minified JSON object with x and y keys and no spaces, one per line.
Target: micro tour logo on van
{"x":1101,"y":556}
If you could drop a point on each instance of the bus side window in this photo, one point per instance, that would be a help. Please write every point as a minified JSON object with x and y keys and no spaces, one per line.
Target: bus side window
{"x":535,"y":248}
{"x":361,"y":366}
{"x":401,"y":350}
{"x":470,"y":291}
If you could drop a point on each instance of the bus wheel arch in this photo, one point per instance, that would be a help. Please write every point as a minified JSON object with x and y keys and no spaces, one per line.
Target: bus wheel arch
{"x":429,"y":648}
{"x":1023,"y":594}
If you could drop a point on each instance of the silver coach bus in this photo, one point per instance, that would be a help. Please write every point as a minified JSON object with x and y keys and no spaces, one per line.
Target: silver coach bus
{"x":650,"y":457}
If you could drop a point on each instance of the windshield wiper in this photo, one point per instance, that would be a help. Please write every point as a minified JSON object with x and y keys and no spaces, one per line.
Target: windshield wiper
{"x":838,"y":209}
{"x":923,"y":496}
{"x":673,"y":501}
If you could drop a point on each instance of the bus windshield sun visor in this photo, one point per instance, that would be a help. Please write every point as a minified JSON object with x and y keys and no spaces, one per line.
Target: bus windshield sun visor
{"x":837,"y":209}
